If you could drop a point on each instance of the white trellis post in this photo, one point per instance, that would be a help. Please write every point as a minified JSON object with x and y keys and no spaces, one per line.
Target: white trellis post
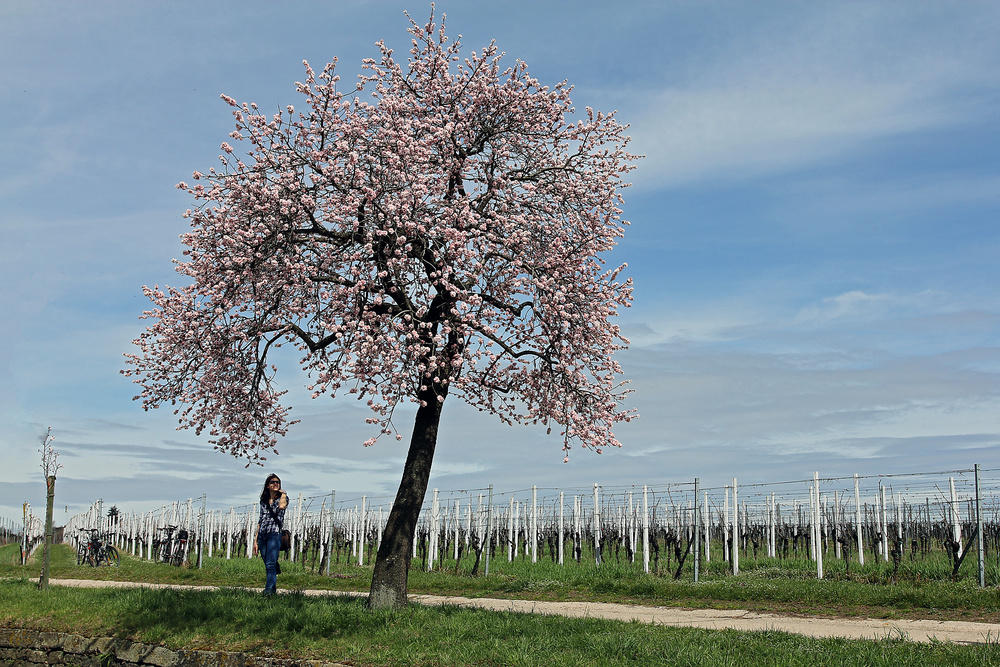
{"x":361,"y":531}
{"x":250,"y":534}
{"x":137,"y":527}
{"x":475,"y":518}
{"x":456,"y":531}
{"x":444,"y":530}
{"x":534,"y":523}
{"x":956,"y":520}
{"x":735,"y":549}
{"x":203,"y":530}
{"x":515,"y":534}
{"x":219,"y":519}
{"x":772,"y":543}
{"x":296,"y":522}
{"x":819,"y":536}
{"x":813,"y":524}
{"x":211,"y":531}
{"x":479,"y":517}
{"x":884,"y":520}
{"x":520,"y":527}
{"x":435,"y":522}
{"x":979,"y":531}
{"x":857,"y":521}
{"x":472,"y":518}
{"x":836,"y":524}
{"x":561,"y":507}
{"x":511,"y":538}
{"x":355,"y":516}
{"x":230,"y":532}
{"x":597,"y":524}
{"x":726,"y":526}
{"x":645,"y":528}
{"x":139,"y":535}
{"x":329,"y":535}
{"x":577,"y":534}
{"x":695,"y":526}
{"x":321,"y":547}
{"x":629,"y":528}
{"x":706,"y":521}
{"x":422,"y":521}
{"x":489,"y":533}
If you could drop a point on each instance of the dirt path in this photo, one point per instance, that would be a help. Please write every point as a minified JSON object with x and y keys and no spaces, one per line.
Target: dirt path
{"x":959,"y":632}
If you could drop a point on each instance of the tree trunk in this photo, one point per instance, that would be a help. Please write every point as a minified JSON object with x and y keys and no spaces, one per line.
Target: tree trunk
{"x":50,"y":492}
{"x":392,"y":563}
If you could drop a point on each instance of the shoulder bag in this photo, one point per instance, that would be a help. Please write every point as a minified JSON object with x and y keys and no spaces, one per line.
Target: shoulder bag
{"x":286,"y":536}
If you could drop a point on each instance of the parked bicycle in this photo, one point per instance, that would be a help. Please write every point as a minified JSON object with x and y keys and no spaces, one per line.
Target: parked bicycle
{"x":171,"y":545}
{"x":96,"y":551}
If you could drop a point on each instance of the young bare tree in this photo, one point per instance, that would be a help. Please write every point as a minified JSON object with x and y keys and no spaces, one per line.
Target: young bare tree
{"x":50,"y":464}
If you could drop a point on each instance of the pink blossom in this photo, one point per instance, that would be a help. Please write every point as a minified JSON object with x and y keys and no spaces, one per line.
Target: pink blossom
{"x":445,"y":236}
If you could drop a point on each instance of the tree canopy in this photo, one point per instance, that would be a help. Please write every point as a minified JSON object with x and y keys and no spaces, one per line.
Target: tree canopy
{"x":439,"y":224}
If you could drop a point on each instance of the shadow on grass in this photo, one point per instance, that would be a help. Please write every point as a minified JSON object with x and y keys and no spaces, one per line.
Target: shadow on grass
{"x":236,"y":614}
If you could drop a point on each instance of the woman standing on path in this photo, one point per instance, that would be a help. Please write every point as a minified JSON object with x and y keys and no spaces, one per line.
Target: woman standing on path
{"x":273,"y":501}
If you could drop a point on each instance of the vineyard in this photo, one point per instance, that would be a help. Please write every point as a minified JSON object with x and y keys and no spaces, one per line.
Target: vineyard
{"x":923,"y":526}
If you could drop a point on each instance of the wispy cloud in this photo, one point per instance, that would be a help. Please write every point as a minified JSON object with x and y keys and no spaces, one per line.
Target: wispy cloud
{"x":793,"y":93}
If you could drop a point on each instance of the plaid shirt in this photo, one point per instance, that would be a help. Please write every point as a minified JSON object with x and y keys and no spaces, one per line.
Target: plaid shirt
{"x":266,"y":525}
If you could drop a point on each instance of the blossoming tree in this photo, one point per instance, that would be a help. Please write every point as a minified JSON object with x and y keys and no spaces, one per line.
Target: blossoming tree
{"x":438,"y":230}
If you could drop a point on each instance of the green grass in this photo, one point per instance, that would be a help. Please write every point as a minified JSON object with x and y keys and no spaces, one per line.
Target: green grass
{"x":9,"y":554}
{"x":766,"y":585}
{"x":342,"y":629}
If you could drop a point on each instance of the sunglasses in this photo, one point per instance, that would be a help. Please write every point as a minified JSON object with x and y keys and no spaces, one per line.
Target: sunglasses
{"x":275,"y":481}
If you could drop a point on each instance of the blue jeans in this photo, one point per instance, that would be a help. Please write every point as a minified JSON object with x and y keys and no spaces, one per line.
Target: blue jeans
{"x":269,"y":546}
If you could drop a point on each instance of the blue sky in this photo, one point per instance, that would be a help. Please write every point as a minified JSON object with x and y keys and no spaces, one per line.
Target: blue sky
{"x":814,"y":236}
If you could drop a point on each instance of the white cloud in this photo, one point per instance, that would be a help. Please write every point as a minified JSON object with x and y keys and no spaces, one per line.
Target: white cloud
{"x":855,"y":303}
{"x":688,"y":135}
{"x":793,"y":93}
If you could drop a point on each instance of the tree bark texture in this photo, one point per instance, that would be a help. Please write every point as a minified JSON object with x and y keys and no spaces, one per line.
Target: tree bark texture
{"x":50,"y":493}
{"x":392,"y":563}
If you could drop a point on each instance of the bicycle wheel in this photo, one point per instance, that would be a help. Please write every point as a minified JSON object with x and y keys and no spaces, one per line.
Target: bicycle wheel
{"x":111,"y":556}
{"x":92,"y":558}
{"x":178,"y":558}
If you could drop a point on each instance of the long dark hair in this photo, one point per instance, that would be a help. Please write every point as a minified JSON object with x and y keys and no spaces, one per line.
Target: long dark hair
{"x":265,"y":494}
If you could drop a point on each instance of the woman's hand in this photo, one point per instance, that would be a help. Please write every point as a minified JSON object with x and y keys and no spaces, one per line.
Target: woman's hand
{"x":283,"y":499}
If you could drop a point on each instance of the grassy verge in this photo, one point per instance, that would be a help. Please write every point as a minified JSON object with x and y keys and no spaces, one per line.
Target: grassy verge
{"x":341,"y":629}
{"x":765,"y":587}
